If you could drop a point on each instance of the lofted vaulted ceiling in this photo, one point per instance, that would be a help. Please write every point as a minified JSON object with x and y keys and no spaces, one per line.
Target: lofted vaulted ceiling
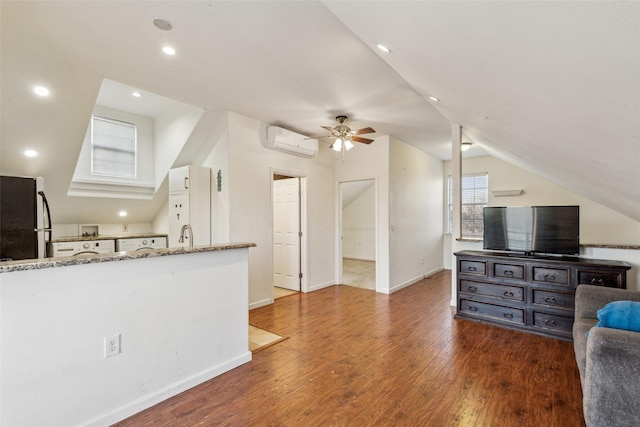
{"x":553,"y":87}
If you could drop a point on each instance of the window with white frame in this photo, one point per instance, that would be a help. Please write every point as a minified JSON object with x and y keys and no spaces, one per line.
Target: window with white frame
{"x":113,"y":148}
{"x":475,"y":196}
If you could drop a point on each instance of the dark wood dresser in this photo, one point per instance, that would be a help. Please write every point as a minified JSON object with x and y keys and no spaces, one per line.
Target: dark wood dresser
{"x":528,"y":293}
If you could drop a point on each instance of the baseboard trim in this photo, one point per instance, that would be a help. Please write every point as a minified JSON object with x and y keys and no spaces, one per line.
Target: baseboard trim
{"x":414,"y":280}
{"x":358,"y":258}
{"x":158,"y":396}
{"x":260,"y":303}
{"x":320,"y":286}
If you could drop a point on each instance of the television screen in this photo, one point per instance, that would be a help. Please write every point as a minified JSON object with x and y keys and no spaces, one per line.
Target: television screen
{"x":529,"y":229}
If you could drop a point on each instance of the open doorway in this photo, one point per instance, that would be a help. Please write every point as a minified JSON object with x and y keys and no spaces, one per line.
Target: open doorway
{"x":289,"y":219}
{"x":358,"y":234}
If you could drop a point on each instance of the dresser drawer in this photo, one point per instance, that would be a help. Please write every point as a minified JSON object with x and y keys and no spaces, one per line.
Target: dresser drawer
{"x":509,"y":271}
{"x":553,"y":299}
{"x":513,"y":293}
{"x":552,"y":321}
{"x":504,"y":314}
{"x":556,"y":276}
{"x":473,"y":267}
{"x":612,"y":280}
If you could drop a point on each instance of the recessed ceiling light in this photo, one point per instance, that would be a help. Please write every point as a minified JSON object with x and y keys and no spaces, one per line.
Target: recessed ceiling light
{"x":41,"y":91}
{"x":384,"y":48}
{"x":434,"y":99}
{"x":30,"y":153}
{"x":122,"y":213}
{"x":168,"y":50}
{"x":136,"y":94}
{"x":162,"y":24}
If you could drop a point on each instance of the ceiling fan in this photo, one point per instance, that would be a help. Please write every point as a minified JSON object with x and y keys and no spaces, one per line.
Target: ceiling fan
{"x":344,"y":136}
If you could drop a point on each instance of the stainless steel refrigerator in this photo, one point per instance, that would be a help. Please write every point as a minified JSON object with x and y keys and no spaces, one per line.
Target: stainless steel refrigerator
{"x":25,"y":233}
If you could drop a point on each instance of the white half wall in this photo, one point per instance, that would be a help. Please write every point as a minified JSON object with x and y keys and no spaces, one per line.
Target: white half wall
{"x":182,"y":320}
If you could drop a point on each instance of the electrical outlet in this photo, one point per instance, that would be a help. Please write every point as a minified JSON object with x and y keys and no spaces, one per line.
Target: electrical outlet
{"x":125,"y":227}
{"x":112,"y":345}
{"x":421,"y":260}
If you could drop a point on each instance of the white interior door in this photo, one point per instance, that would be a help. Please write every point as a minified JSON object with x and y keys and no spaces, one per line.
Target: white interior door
{"x":286,"y":233}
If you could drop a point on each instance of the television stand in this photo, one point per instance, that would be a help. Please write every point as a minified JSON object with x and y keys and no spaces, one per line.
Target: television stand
{"x":528,"y":293}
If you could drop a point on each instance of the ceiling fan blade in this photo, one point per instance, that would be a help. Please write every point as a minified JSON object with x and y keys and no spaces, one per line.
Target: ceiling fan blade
{"x":332,"y":130}
{"x":363,"y":140}
{"x":363,"y":131}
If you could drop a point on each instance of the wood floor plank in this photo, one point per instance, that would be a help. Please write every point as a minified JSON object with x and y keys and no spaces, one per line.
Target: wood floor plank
{"x":357,"y":358}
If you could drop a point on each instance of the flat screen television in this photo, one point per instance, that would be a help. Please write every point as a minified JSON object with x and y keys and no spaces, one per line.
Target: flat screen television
{"x":533,"y":229}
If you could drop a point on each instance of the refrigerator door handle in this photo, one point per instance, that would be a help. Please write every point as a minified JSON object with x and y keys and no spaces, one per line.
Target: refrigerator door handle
{"x":47,"y":245}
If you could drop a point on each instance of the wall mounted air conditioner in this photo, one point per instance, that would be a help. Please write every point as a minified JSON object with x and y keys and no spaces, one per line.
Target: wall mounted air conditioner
{"x":290,"y":142}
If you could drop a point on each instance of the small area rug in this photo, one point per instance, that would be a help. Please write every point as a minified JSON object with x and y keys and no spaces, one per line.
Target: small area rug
{"x":260,"y":338}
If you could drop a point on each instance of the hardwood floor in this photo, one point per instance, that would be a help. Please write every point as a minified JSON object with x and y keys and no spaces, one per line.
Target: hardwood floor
{"x":359,"y":358}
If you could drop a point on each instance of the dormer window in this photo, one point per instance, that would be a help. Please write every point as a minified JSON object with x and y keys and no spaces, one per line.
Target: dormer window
{"x":113,"y":147}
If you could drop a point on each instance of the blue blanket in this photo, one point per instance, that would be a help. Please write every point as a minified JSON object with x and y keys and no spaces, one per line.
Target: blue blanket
{"x":620,"y":315}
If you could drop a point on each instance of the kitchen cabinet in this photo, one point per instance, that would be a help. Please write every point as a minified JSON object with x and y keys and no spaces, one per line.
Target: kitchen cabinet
{"x":190,"y":203}
{"x":528,"y":293}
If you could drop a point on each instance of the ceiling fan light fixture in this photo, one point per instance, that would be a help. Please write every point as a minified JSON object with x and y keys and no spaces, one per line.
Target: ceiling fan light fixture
{"x":348,"y":145}
{"x":337,"y":145}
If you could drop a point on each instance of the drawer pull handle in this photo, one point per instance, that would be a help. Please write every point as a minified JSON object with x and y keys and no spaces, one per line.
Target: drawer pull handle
{"x":508,"y":315}
{"x":471,"y":268}
{"x":472,"y":308}
{"x":597,"y":281}
{"x":549,"y":299}
{"x":508,"y":294}
{"x":550,"y":322}
{"x":472,"y":289}
{"x":508,"y":273}
{"x":549,"y":277}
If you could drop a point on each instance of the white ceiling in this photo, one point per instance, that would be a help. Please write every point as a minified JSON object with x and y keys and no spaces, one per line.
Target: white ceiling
{"x":553,"y":87}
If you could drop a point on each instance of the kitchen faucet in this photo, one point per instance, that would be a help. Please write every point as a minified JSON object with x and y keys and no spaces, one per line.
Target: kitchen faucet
{"x":182,"y":236}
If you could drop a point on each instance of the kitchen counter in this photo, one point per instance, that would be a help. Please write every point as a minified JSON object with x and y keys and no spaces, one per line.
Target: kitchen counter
{"x":37,"y":264}
{"x":107,"y":237}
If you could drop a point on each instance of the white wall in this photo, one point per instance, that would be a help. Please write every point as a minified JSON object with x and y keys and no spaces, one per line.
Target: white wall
{"x":415,"y":214}
{"x":218,"y":161}
{"x":182,"y":319}
{"x":172,"y":130}
{"x":69,"y":230}
{"x":598,"y":224}
{"x":358,"y":226}
{"x":370,"y":162}
{"x":248,"y":180}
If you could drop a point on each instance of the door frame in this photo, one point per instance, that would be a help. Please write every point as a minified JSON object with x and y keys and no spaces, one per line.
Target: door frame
{"x":304,"y":240}
{"x":338,"y":263}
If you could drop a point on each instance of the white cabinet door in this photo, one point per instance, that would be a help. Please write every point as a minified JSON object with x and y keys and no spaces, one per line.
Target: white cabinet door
{"x":179,"y":180}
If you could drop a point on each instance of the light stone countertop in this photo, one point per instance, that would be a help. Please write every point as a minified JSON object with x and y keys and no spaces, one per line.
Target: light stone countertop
{"x":35,"y":264}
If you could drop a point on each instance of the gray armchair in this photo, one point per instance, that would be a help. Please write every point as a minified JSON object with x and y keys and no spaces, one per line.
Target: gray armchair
{"x":608,"y":361}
